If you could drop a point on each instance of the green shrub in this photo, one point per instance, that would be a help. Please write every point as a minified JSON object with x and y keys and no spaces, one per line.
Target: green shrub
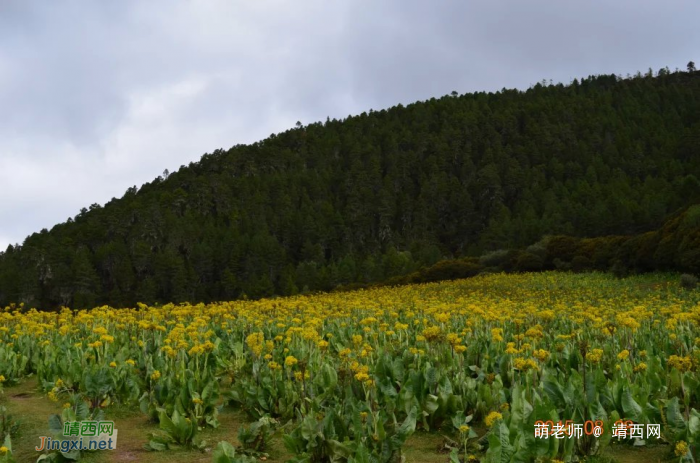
{"x":605,"y":250}
{"x":255,"y":437}
{"x":562,"y":247}
{"x":561,"y":265}
{"x":450,"y":270}
{"x":540,"y":248}
{"x":495,"y":258}
{"x":528,"y":262}
{"x":581,"y":264}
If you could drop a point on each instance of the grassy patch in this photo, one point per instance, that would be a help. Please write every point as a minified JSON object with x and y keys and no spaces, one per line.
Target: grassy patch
{"x":27,"y":404}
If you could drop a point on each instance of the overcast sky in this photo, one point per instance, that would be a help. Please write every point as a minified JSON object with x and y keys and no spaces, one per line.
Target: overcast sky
{"x":98,"y":96}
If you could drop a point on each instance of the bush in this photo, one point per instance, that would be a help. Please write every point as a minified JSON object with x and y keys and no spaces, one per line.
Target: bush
{"x":638,"y":251}
{"x":450,"y":270}
{"x":561,"y":265}
{"x":562,"y":247}
{"x":495,"y":258}
{"x":689,"y":281}
{"x":540,"y":248}
{"x":581,"y":264}
{"x":528,"y":262}
{"x":254,"y":438}
{"x":605,"y":250}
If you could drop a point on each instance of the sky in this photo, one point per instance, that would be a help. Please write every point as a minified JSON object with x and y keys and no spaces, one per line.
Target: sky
{"x":99,"y":96}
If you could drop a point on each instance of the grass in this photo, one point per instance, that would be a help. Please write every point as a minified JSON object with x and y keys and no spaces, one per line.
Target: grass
{"x":32,"y":408}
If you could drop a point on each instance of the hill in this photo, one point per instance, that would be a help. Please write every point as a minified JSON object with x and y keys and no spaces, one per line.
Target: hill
{"x":674,"y":246}
{"x":379,"y":195}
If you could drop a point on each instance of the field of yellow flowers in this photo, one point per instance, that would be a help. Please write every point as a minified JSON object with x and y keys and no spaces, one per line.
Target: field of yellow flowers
{"x":351,"y":376}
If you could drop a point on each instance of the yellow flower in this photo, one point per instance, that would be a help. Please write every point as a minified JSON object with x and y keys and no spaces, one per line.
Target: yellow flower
{"x":594,"y":355}
{"x":196,"y":350}
{"x":464,"y":429}
{"x":681,"y":448}
{"x":130,"y":362}
{"x":361,"y":376}
{"x":2,"y":379}
{"x":641,"y":366}
{"x":497,"y":334}
{"x":524,"y":364}
{"x":4,"y":449}
{"x":541,"y":355}
{"x":155,"y":376}
{"x":113,"y":364}
{"x":680,"y":363}
{"x":432,"y":333}
{"x":290,"y":361}
{"x":622,"y":356}
{"x":510,"y":349}
{"x":66,"y":405}
{"x":197,"y":401}
{"x":492,"y":418}
{"x":255,"y":342}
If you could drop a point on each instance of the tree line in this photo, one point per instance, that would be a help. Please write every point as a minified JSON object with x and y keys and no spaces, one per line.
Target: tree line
{"x":380,"y":195}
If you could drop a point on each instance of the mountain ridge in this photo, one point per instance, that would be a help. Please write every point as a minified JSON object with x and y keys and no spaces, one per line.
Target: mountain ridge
{"x":378,"y":195}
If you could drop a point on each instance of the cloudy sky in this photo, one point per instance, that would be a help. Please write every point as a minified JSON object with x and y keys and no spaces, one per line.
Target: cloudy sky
{"x":98,"y":96}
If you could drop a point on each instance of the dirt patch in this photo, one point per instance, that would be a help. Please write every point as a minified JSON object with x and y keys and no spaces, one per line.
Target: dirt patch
{"x":125,"y":456}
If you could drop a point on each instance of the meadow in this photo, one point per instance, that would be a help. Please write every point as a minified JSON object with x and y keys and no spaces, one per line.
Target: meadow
{"x":444,"y":372}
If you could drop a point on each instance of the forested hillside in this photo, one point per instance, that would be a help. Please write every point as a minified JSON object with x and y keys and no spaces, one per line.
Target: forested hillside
{"x":380,"y":194}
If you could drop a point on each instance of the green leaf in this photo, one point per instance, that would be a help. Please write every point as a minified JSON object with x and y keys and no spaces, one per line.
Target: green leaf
{"x":500,"y":449}
{"x":167,"y":425}
{"x":694,"y":425}
{"x":431,"y":404}
{"x":407,"y":428}
{"x":224,"y":453}
{"x":674,"y":417}
{"x":55,"y":424}
{"x":631,"y":408}
{"x":8,"y":443}
{"x":156,"y":445}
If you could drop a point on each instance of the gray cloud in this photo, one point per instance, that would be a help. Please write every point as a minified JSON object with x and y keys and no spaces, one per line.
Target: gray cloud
{"x":100,"y":96}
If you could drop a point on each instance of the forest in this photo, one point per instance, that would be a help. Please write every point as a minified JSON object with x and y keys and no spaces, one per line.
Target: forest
{"x":387,"y":193}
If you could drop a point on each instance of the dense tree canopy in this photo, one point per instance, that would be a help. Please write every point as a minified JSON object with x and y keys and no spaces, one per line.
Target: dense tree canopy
{"x":379,"y":195}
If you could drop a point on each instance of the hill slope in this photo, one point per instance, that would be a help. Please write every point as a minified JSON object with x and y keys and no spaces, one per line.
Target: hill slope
{"x":380,"y":194}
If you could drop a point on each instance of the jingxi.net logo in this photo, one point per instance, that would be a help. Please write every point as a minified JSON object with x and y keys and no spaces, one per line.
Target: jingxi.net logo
{"x":82,"y":435}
